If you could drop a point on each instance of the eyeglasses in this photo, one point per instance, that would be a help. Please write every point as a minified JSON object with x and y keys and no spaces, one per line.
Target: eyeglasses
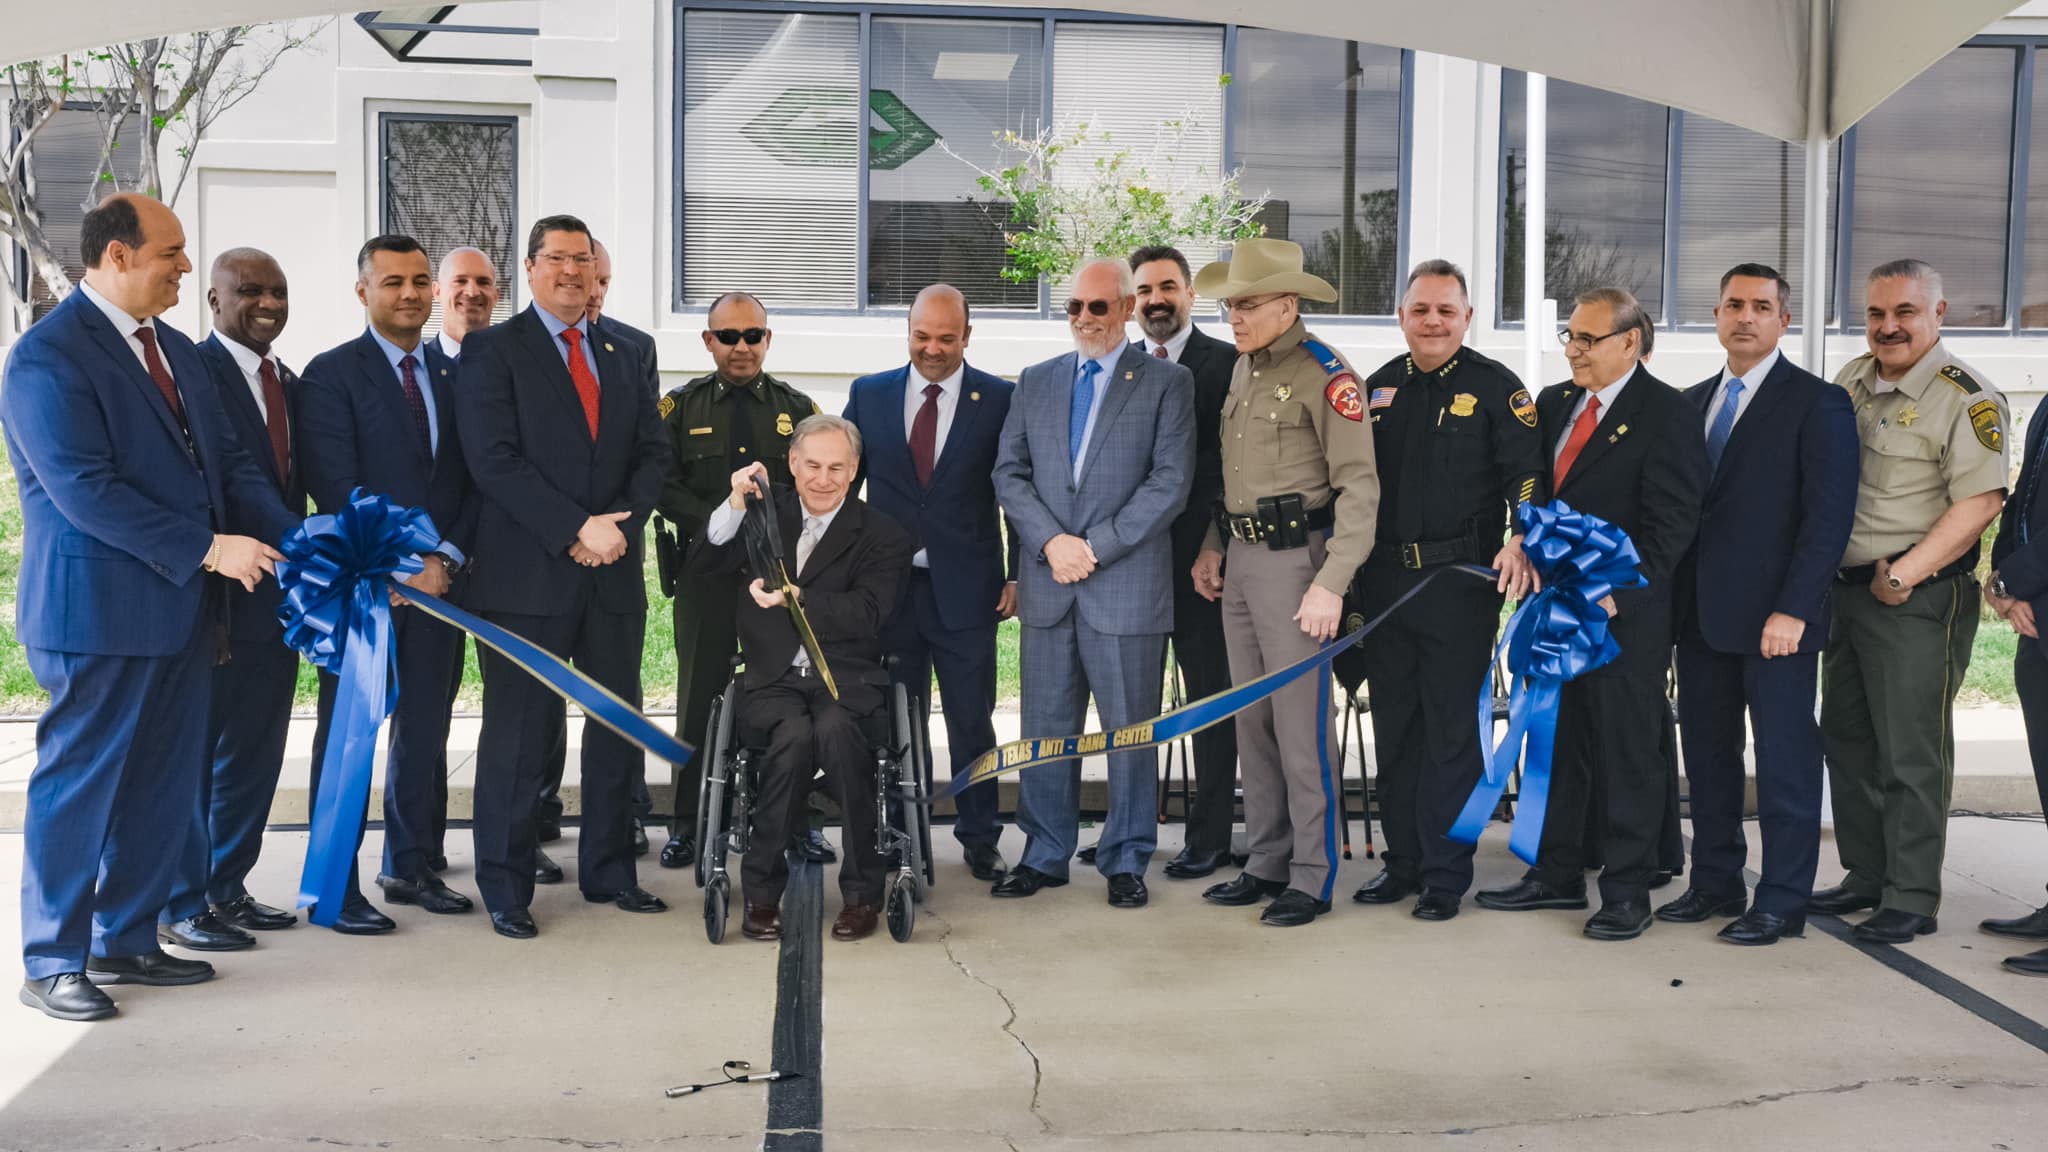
{"x":1580,"y":342}
{"x":557,"y":259}
{"x":1094,"y":307}
{"x":732,"y":336}
{"x":1250,"y":305}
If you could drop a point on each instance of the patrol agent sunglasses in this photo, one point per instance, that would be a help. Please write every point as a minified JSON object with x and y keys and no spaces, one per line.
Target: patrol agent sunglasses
{"x":732,"y":336}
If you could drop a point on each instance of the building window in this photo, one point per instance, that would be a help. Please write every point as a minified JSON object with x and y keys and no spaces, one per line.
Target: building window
{"x":2034,"y":289}
{"x":963,"y":82}
{"x":771,"y":157}
{"x":453,"y":182}
{"x":1604,"y":200}
{"x":1316,"y":125}
{"x":1933,"y":179}
{"x":64,"y":162}
{"x":1741,"y":199}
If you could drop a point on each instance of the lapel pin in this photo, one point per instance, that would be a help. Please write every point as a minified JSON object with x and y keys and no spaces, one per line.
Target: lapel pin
{"x":1129,"y":375}
{"x":974,"y":395}
{"x":608,"y":347}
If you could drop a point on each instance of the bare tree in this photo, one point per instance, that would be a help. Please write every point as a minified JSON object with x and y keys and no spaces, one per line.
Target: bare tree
{"x":36,"y":92}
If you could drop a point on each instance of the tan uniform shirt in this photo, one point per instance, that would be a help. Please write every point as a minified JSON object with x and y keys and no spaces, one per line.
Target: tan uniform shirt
{"x":1289,"y":425}
{"x":1935,"y":437}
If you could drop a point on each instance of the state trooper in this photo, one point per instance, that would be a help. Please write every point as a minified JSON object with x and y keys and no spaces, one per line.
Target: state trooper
{"x":1458,"y":450}
{"x":717,"y":424}
{"x":1299,"y":499}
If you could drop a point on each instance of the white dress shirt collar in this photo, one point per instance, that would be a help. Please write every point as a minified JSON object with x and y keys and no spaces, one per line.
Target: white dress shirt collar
{"x":247,"y":359}
{"x":450,"y":346}
{"x":1175,"y":344}
{"x":1754,"y":378}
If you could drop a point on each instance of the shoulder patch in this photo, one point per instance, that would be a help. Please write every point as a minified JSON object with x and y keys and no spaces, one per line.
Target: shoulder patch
{"x":1342,"y":393}
{"x":667,"y":405}
{"x":1955,"y":375}
{"x":1524,"y":407}
{"x":1984,"y":422}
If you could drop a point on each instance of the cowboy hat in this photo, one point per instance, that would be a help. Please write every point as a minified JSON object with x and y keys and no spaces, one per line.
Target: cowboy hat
{"x":1257,"y":267}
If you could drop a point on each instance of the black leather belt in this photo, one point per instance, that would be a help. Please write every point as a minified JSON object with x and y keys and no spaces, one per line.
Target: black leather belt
{"x":1252,"y":530}
{"x":1865,"y":573}
{"x":1430,"y":553}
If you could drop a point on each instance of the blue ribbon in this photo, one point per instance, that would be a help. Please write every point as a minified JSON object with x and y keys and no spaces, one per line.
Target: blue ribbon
{"x":1559,"y":634}
{"x":337,"y":614}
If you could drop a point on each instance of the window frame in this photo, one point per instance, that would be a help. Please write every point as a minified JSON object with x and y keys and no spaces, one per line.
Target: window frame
{"x":1051,"y":18}
{"x":509,"y":281}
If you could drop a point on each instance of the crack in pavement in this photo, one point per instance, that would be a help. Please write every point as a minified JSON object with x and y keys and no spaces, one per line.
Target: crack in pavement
{"x":1037,"y":1069}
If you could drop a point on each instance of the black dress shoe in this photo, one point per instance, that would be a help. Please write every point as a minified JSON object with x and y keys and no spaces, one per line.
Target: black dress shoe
{"x":1293,"y":908}
{"x":363,"y":919}
{"x":438,"y":864}
{"x":1127,"y":890}
{"x":250,"y":916}
{"x":1839,"y":900}
{"x":1244,"y":891}
{"x":984,"y":862}
{"x":428,"y":892}
{"x":1385,"y":888}
{"x":545,"y":870}
{"x":1195,"y":865}
{"x":2032,"y":964}
{"x":548,"y":831}
{"x":1435,"y":904}
{"x":517,"y":924}
{"x":1086,"y":855}
{"x":67,"y":996}
{"x":679,"y":852}
{"x":2032,"y":926}
{"x":639,"y":837}
{"x":157,"y":969}
{"x":1696,"y":907}
{"x":1024,"y":880}
{"x":1619,"y":920}
{"x":1891,"y":926}
{"x":1529,"y":893}
{"x":1660,"y":878}
{"x":1754,"y":928}
{"x":632,"y":900}
{"x":813,"y":846}
{"x":205,"y":933}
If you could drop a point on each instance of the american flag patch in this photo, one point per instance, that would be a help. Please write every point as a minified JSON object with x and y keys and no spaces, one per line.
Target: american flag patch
{"x":1381,"y":398}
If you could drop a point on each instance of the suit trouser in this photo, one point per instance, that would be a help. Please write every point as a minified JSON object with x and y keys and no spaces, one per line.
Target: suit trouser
{"x":707,"y":638}
{"x":1610,"y":728}
{"x":803,"y":730}
{"x":1201,"y":652}
{"x":518,"y":711}
{"x":1283,"y":741}
{"x":1425,"y":668}
{"x":1890,"y":676}
{"x":427,"y":652}
{"x":549,"y":809}
{"x":122,"y":743}
{"x":965,"y":661}
{"x":1670,"y":837}
{"x":1062,"y":666}
{"x":2030,"y":677}
{"x":1715,"y":689}
{"x":248,"y":718}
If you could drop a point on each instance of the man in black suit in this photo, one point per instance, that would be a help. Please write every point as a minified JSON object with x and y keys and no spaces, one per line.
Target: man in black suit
{"x":1628,"y":448}
{"x":2018,"y":592}
{"x":379,"y":413}
{"x":210,"y":910}
{"x":1166,"y":302}
{"x":560,"y":431}
{"x":1752,"y":610}
{"x":848,"y":564}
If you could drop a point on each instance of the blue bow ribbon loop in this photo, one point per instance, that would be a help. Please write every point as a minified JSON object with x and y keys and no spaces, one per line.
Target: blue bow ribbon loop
{"x":1557,"y":635}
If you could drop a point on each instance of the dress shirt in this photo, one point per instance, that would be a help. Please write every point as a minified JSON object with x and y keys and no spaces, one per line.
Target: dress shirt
{"x":724,"y":524}
{"x":1175,"y":344}
{"x":1102,"y":382}
{"x":555,"y":329}
{"x":1608,"y":396}
{"x":421,"y":377}
{"x":1751,"y":381}
{"x":949,"y":402}
{"x":450,"y":346}
{"x":126,"y":326}
{"x":250,"y":362}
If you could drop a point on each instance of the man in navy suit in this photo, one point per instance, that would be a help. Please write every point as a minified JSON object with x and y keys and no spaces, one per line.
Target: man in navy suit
{"x":559,"y":426}
{"x":1752,"y":610}
{"x":2018,"y":592}
{"x":930,"y":431}
{"x":210,"y":909}
{"x":378,"y":413}
{"x":132,"y":488}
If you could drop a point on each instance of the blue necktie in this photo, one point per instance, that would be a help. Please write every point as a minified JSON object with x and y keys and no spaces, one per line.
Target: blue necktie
{"x":1077,"y":413}
{"x":1724,"y":422}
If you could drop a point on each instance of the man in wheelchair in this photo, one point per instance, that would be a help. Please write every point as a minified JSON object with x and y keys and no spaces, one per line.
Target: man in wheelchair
{"x":848,"y":564}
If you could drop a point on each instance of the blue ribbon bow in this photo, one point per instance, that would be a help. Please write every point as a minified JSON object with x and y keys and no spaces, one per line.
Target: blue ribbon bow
{"x":1559,"y":634}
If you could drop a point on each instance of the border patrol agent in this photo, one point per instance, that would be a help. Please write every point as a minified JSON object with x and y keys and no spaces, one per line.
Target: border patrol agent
{"x":716,"y":424}
{"x":1295,"y":440}
{"x":1457,"y":445}
{"x":1933,"y":435}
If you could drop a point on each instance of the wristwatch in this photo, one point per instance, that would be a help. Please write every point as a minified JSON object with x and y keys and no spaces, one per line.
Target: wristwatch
{"x":1892,"y":581}
{"x":1998,"y":588}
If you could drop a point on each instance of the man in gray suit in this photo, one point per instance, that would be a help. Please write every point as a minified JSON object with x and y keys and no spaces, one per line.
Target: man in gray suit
{"x":1096,"y":459}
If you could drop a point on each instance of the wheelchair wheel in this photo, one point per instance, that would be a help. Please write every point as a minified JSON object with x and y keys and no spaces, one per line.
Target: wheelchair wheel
{"x":710,"y":793}
{"x":921,"y":766}
{"x":900,"y":906}
{"x":716,"y":900}
{"x":914,"y":774}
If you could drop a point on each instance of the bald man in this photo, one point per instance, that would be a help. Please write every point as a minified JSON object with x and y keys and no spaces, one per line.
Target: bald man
{"x":929,"y":431}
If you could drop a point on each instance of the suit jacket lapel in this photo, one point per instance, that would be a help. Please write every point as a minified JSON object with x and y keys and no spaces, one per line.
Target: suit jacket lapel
{"x":547,"y":352}
{"x":387,"y":391}
{"x":894,"y":442}
{"x":1609,"y":432}
{"x":241,"y":405}
{"x":1060,"y":412}
{"x":441,"y":378}
{"x":838,"y":538}
{"x":966,"y":414}
{"x":115,"y":344}
{"x":1763,"y":406}
{"x":1122,"y":382}
{"x":617,"y":399}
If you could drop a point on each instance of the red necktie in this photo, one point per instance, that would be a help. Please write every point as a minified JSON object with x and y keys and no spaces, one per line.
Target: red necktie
{"x":924,"y":435}
{"x":1160,"y":352}
{"x":418,"y":404}
{"x":159,"y":373}
{"x":586,"y":381}
{"x":1582,"y":431}
{"x":274,"y":419}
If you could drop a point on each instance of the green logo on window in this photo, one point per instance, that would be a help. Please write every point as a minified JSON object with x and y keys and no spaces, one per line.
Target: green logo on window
{"x":808,"y":127}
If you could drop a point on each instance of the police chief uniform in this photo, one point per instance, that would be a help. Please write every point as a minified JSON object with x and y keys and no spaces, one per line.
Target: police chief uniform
{"x":1299,"y":498}
{"x":1889,"y":674}
{"x":1457,"y":449}
{"x":716,"y":427}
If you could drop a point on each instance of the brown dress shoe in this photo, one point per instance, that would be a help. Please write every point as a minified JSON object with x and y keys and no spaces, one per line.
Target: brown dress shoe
{"x":763,"y":922}
{"x":855,"y":921}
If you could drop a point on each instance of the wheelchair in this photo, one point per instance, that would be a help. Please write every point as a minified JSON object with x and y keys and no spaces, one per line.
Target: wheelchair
{"x":901,"y":809}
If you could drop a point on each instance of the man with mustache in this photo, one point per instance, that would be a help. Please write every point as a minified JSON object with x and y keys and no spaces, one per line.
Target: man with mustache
{"x":1933,"y":437}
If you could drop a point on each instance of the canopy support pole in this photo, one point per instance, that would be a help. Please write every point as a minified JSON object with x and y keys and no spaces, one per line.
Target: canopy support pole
{"x":1813,"y":316}
{"x":1536,"y":137}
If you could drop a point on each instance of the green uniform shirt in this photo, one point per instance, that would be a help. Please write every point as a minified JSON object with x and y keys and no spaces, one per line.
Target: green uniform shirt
{"x":699,"y":417}
{"x":1933,"y":438}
